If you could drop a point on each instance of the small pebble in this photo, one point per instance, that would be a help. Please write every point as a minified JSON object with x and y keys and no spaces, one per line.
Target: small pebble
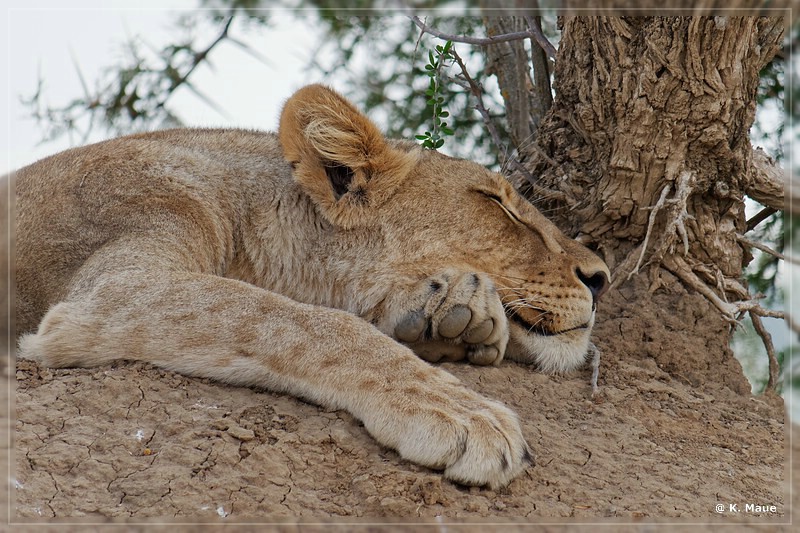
{"x":241,"y":433}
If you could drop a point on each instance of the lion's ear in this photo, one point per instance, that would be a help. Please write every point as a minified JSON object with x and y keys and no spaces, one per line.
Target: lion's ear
{"x":339,"y":157}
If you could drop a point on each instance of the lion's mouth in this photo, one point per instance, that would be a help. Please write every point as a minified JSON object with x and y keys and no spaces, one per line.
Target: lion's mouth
{"x":539,"y":327}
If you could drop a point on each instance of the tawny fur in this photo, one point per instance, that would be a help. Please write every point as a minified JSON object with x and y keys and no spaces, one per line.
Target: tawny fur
{"x":293,"y":262}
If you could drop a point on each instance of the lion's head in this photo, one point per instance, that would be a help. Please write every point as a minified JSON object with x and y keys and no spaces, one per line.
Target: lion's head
{"x":440,"y":212}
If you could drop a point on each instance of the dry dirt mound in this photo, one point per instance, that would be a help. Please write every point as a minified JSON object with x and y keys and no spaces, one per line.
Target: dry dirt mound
{"x":661,"y":440}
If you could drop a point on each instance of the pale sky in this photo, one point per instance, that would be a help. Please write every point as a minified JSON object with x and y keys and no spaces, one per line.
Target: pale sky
{"x":49,"y":37}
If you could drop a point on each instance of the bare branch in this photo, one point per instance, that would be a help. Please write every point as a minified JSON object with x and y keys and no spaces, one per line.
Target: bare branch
{"x":540,"y":39}
{"x":766,"y":249}
{"x":625,"y":266}
{"x":774,"y":368}
{"x":514,"y":36}
{"x":682,"y":193}
{"x":675,"y":225}
{"x":767,"y":183}
{"x":760,"y":217}
{"x":199,"y":57}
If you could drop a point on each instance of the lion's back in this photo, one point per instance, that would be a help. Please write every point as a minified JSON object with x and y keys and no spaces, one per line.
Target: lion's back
{"x":184,"y":182}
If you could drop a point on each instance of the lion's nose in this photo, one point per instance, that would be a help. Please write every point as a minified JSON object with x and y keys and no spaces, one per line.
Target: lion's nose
{"x":597,"y":282}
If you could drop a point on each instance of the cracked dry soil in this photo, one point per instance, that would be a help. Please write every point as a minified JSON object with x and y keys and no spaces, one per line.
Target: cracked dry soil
{"x":673,"y":432}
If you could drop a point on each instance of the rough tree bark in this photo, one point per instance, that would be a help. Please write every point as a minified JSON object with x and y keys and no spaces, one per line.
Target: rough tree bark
{"x":649,"y":136}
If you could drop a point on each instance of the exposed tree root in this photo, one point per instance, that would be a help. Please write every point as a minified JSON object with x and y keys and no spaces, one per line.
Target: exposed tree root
{"x":731,"y":311}
{"x":664,"y":254}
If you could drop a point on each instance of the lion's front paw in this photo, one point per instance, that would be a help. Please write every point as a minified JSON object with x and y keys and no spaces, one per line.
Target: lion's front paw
{"x":451,"y":316}
{"x":478,"y":443}
{"x":495,"y":451}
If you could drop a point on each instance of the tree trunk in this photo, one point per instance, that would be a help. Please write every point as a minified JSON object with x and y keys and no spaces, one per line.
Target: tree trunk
{"x":526,"y":93}
{"x":649,"y":136}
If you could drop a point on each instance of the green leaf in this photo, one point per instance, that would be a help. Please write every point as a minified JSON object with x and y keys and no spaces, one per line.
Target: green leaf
{"x":421,"y":137}
{"x":447,"y":131}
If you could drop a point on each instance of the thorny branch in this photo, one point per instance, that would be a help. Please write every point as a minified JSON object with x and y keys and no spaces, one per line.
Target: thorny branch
{"x":139,"y":93}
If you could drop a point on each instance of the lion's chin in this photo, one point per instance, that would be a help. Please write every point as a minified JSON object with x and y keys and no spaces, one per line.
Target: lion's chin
{"x":552,"y":354}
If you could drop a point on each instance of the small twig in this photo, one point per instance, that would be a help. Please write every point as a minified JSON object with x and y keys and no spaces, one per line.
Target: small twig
{"x":514,"y":36}
{"x":595,"y":351}
{"x":618,"y":276}
{"x":774,"y":368}
{"x":766,"y":249}
{"x":477,"y":91}
{"x":540,"y":39}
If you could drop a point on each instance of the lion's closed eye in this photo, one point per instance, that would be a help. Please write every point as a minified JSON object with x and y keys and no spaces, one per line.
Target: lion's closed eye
{"x":507,"y":210}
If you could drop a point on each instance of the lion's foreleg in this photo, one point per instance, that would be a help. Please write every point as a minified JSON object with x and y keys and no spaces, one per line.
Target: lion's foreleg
{"x":213,"y":327}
